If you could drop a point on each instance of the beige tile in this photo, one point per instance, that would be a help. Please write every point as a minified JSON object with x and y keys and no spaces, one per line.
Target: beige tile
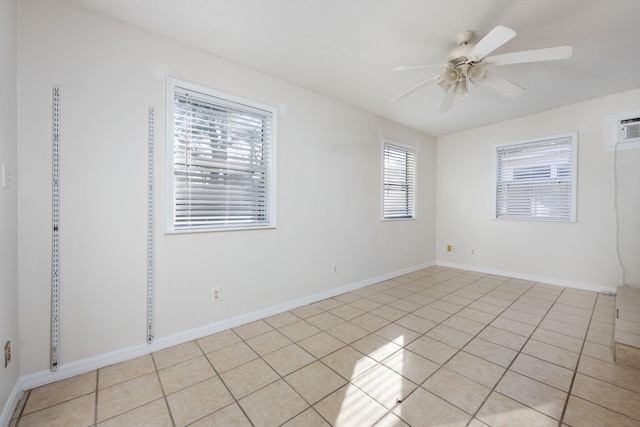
{"x":410,"y":365}
{"x":268,"y":342}
{"x":315,"y":381}
{"x":457,"y":390}
{"x":375,"y":347}
{"x":500,"y":411}
{"x":450,"y":336}
{"x":347,"y":312}
{"x":615,"y":374}
{"x":522,"y":307}
{"x":391,"y":420}
{"x":464,"y":325}
{"x":60,"y":391}
{"x":196,"y":402}
{"x":489,"y":351}
{"x":217,"y":341}
{"x":458,"y":299}
{"x":568,"y":309}
{"x":176,"y":354}
{"x":415,"y":323}
{"x":321,"y":344}
{"x":598,"y":351}
{"x":568,"y":318}
{"x":476,"y":369}
{"x":282,"y":319}
{"x":383,"y":298}
{"x":581,"y":413}
{"x":125,"y":396}
{"x":308,"y":418}
{"x":513,"y":326}
{"x":231,"y":356}
{"x":487,"y":308}
{"x":384,"y":385}
{"x":230,"y":415}
{"x":273,"y":405}
{"x":432,"y":349}
{"x":559,"y":340}
{"x":564,"y":328}
{"x":185,"y":374}
{"x":306,"y":311}
{"x":551,"y":353}
{"x":389,"y":313}
{"x":425,"y":409}
{"x":600,"y":337}
{"x":405,"y":305}
{"x":523,"y":317}
{"x":328,"y":304}
{"x":608,"y":395}
{"x":154,"y":414}
{"x":288,"y":359}
{"x":365,"y":304}
{"x":476,"y":315}
{"x":20,"y":406}
{"x":253,"y":329}
{"x":477,"y":423}
{"x":534,"y":394}
{"x":324,"y":321}
{"x":300,"y":330}
{"x":247,"y":378}
{"x":350,"y":407}
{"x":78,"y":412}
{"x":608,"y":328}
{"x":348,"y":362}
{"x":503,"y":338}
{"x":445,"y":306}
{"x":124,"y":371}
{"x":348,"y":297}
{"x":398,"y":334}
{"x":347,"y":332}
{"x":543,"y":371}
{"x":370,"y":322}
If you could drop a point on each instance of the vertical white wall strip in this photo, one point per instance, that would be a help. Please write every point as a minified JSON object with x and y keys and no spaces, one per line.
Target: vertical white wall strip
{"x":150,"y":231}
{"x":55,"y":253}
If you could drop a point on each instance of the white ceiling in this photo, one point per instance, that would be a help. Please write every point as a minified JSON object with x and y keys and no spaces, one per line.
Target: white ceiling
{"x":346,"y":48}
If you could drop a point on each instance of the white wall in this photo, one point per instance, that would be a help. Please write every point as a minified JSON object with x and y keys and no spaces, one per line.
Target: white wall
{"x":580,"y":253}
{"x":109,"y":73}
{"x":8,"y":205}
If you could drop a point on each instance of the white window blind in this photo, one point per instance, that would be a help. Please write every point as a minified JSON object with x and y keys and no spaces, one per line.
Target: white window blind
{"x":398,"y":181}
{"x":222,"y":162}
{"x":536,"y":180}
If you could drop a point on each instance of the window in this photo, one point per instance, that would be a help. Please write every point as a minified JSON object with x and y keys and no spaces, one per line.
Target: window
{"x":398,"y":181}
{"x":535,"y":180}
{"x":221,"y":161}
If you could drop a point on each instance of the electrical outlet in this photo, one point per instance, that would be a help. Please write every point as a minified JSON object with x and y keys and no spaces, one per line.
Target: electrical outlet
{"x":7,"y":354}
{"x":215,"y":294}
{"x":334,"y":268}
{"x":473,"y":251}
{"x":449,"y":248}
{"x":405,"y":252}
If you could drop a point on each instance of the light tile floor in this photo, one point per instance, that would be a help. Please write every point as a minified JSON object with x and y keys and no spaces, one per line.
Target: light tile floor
{"x":438,"y":347}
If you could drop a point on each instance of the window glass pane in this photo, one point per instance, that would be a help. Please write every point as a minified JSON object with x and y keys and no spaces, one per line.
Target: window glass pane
{"x":398,"y":182}
{"x":535,"y":180}
{"x":222,"y":165}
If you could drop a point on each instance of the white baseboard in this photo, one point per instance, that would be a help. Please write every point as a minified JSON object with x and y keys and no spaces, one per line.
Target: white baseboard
{"x":69,"y":370}
{"x":12,"y":403}
{"x":541,"y":279}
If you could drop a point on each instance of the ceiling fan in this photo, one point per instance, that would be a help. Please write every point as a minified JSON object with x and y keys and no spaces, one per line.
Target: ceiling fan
{"x":467,"y":66}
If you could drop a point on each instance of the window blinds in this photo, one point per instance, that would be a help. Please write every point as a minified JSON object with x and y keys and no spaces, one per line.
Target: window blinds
{"x":535,"y":180}
{"x":398,"y":182}
{"x":222,"y":155}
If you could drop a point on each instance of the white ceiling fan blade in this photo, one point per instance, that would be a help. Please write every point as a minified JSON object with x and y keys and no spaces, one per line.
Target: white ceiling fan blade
{"x":447,"y":101}
{"x":535,"y":55}
{"x":496,"y":38}
{"x":415,"y":88}
{"x":502,"y":85}
{"x":415,"y":67}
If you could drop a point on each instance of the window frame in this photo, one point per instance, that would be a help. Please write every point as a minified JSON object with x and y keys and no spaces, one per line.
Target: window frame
{"x":574,"y":178}
{"x":228,"y":100}
{"x":413,"y":184}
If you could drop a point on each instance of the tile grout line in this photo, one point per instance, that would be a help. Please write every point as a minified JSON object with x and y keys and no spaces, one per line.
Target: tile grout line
{"x":493,"y":389}
{"x":164,"y":395}
{"x":575,"y":372}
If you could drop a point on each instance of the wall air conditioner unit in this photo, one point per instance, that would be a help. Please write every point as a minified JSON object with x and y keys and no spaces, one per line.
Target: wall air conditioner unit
{"x":623,"y":131}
